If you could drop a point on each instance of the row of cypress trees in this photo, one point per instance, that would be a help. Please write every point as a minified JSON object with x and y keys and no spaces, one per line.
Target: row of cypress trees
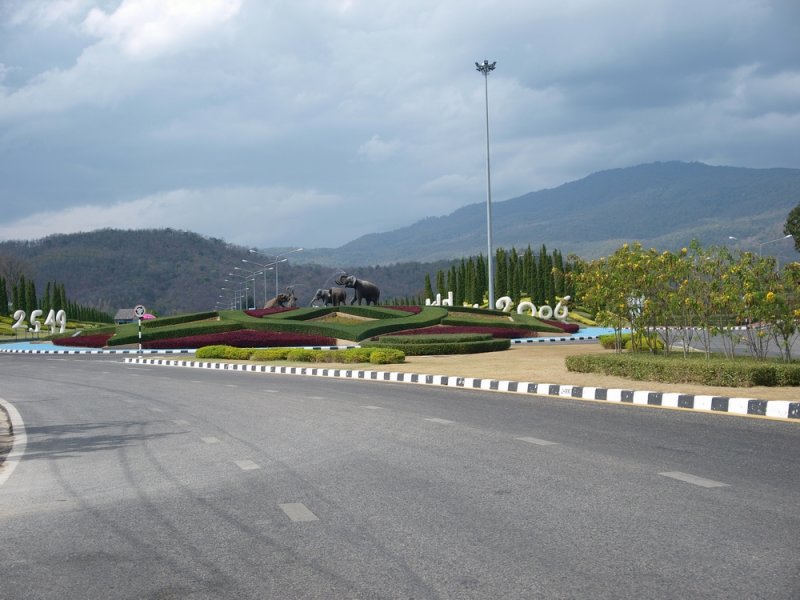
{"x":23,"y":296}
{"x":528,"y":274}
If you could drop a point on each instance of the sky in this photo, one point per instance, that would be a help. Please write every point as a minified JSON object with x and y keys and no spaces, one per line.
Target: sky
{"x":308,"y":123}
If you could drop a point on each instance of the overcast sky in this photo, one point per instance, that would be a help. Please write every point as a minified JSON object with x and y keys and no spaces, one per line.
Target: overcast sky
{"x":311,"y":122}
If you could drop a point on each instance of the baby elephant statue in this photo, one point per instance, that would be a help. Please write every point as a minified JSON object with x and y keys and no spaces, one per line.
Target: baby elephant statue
{"x":284,"y":300}
{"x":335,"y":296}
{"x":364,"y":290}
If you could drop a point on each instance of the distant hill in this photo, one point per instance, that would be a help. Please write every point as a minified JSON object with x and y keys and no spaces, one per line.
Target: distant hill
{"x":172,"y":271}
{"x":663,"y":205}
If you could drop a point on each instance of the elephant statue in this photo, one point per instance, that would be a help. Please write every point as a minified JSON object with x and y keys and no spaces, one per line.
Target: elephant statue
{"x":335,"y":296}
{"x":364,"y":290}
{"x":283,"y":300}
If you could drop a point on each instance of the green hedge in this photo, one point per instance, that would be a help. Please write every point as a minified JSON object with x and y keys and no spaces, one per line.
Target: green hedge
{"x":128,"y":334}
{"x":416,"y":348}
{"x":350,"y":355}
{"x":227,"y":352}
{"x":177,"y":320}
{"x":717,"y":371}
{"x":436,"y":339}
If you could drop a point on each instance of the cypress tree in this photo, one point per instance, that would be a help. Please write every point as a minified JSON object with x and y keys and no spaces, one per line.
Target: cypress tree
{"x":30,"y":297}
{"x":440,"y":283}
{"x":428,"y":287}
{"x":3,"y":297}
{"x":514,"y":278}
{"x":47,"y":302}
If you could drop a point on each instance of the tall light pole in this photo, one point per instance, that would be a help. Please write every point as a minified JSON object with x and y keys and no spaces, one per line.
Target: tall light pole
{"x":485,"y":68}
{"x":279,"y":258}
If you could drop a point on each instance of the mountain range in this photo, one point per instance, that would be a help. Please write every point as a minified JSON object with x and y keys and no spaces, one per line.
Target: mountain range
{"x":662,"y":205}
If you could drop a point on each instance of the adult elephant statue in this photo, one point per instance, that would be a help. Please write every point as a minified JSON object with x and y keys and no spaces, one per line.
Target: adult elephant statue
{"x":364,"y":290}
{"x":283,"y":300}
{"x":335,"y":296}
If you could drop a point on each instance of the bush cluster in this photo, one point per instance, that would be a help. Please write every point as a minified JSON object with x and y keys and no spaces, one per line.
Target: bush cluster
{"x":260,"y":312}
{"x":349,"y":356}
{"x":717,"y":371}
{"x":645,"y":343}
{"x":178,"y":319}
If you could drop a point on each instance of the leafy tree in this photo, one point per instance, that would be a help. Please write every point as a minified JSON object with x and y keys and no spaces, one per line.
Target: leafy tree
{"x":3,"y":298}
{"x":792,"y":226}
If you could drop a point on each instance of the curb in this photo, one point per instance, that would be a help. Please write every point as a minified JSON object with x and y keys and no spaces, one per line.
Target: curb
{"x":775,"y":409}
{"x":135,"y":351}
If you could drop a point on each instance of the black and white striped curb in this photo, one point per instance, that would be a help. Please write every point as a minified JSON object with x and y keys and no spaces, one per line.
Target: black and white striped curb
{"x":572,"y":338}
{"x":135,"y":351}
{"x":777,"y":409}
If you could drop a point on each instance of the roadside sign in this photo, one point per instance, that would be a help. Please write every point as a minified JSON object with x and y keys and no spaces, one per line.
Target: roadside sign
{"x":139,"y":311}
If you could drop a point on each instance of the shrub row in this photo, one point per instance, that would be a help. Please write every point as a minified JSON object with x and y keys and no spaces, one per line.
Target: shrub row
{"x":447,"y":338}
{"x":379,"y":356}
{"x":497,"y":332}
{"x":242,"y":338}
{"x":718,"y":371}
{"x":178,"y":319}
{"x":532,"y":325}
{"x":438,"y":348}
{"x":128,"y":334}
{"x":260,"y":312}
{"x":565,"y":327}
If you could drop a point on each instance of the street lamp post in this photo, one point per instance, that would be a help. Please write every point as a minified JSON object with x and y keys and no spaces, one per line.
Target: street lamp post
{"x":777,"y":260}
{"x":762,"y":244}
{"x":242,"y":299}
{"x":485,"y":68}
{"x":265,"y":268}
{"x":279,"y":258}
{"x":251,"y":275}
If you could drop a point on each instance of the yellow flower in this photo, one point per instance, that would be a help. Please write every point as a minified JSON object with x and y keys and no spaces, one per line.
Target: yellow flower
{"x":770,"y":296}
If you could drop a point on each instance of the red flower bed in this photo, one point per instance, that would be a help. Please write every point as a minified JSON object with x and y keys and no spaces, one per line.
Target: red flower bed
{"x":244,"y":338}
{"x":84,"y":341}
{"x":496,"y":332}
{"x":260,"y":312}
{"x":566,"y":327}
{"x":414,"y":310}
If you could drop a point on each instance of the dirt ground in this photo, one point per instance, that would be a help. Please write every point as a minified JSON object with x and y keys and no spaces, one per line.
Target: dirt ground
{"x":543,"y":363}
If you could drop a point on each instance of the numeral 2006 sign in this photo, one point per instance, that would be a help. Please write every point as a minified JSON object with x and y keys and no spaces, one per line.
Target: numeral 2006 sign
{"x":54,"y":320}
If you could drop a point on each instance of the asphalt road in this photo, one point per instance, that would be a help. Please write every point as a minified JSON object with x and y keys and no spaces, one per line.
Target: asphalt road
{"x":152,"y":482}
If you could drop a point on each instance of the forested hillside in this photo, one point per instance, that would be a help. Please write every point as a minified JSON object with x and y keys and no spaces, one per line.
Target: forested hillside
{"x":173,"y":271}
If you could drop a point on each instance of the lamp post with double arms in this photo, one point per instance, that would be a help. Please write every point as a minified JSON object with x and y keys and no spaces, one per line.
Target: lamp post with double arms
{"x":485,"y":68}
{"x":279,"y":258}
{"x":264,"y":268}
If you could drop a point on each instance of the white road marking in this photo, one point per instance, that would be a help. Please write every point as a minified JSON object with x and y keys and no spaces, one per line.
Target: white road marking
{"x":231,"y":385}
{"x":537,"y":441}
{"x":210,"y":440}
{"x":246,"y":465}
{"x":440,"y":421}
{"x":370,"y":407}
{"x":270,"y":391}
{"x":154,"y":409}
{"x":694,"y":479}
{"x":298,"y":512}
{"x":317,"y":398}
{"x":18,"y":442}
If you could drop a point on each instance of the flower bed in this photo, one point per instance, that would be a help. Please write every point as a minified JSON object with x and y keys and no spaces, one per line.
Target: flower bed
{"x":243,"y":338}
{"x":414,"y":310}
{"x":495,"y":332}
{"x":84,"y":341}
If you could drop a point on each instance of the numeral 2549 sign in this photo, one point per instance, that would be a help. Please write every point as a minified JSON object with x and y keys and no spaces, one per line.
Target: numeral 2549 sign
{"x":55,"y":320}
